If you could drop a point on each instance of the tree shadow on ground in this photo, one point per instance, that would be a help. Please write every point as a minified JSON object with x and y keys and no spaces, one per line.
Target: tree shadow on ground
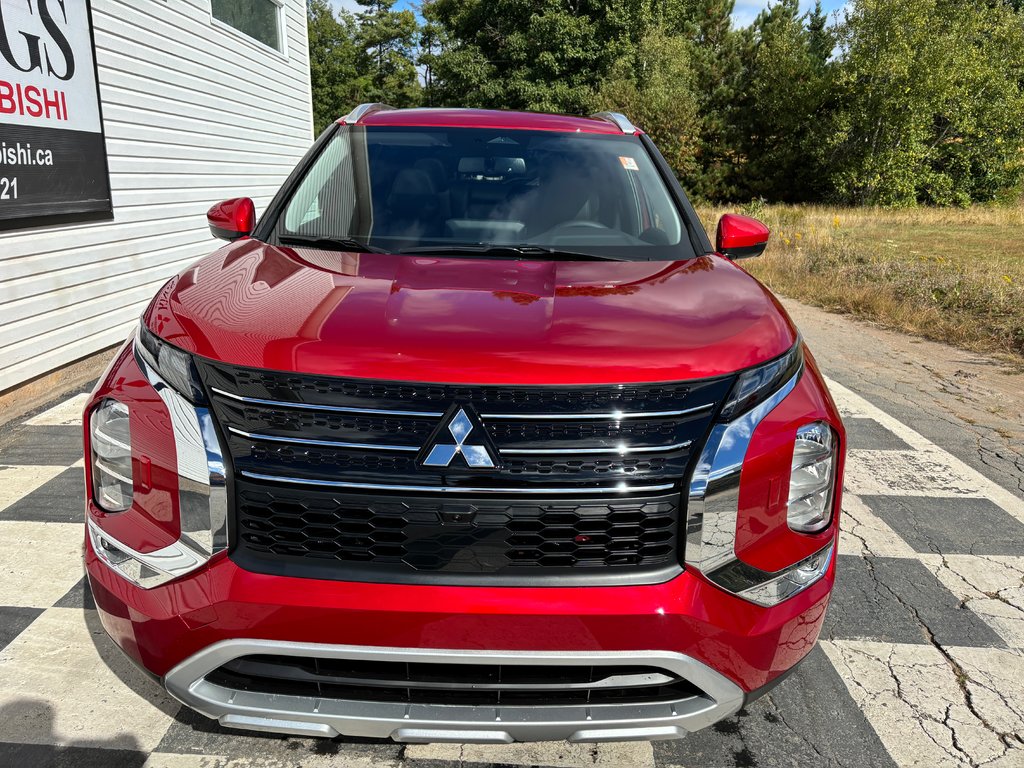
{"x":35,"y":720}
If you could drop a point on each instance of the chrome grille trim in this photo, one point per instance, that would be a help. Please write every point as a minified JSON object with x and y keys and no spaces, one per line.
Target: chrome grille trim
{"x":606,"y":416}
{"x":620,"y":450}
{"x":331,"y":408}
{"x":578,"y":491}
{"x":202,"y":478}
{"x":324,"y":443}
{"x":715,"y":486}
{"x":624,"y":450}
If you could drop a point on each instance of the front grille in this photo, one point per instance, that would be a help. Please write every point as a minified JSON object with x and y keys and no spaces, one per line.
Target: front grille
{"x":527,"y":685}
{"x":330,"y":480}
{"x":338,"y":536}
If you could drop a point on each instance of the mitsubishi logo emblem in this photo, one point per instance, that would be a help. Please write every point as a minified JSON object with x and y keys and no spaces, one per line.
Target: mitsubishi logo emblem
{"x":460,"y":434}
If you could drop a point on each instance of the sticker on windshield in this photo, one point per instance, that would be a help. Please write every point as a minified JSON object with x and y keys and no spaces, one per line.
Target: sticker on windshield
{"x":629,"y":163}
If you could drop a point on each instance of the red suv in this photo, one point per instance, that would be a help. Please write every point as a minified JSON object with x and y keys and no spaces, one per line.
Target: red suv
{"x":473,"y":437}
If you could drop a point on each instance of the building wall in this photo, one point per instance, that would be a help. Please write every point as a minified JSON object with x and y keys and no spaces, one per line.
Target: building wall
{"x":194,"y":112}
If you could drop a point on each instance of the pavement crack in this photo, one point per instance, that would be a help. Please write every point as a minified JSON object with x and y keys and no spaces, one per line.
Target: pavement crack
{"x":800,"y":733}
{"x":960,"y":674}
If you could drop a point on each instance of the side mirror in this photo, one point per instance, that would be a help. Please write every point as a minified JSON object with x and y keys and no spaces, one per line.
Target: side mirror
{"x":741,"y":237}
{"x":232,"y":219}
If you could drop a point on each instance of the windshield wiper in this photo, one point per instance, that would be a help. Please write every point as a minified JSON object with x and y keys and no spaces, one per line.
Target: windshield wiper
{"x":331,"y":243}
{"x":511,"y":251}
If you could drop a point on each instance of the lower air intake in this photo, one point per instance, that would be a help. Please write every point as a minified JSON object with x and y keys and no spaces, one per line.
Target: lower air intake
{"x":458,"y":684}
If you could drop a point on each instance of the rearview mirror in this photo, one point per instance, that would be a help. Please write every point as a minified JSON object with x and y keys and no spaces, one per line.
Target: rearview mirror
{"x":232,"y":219}
{"x":741,"y":237}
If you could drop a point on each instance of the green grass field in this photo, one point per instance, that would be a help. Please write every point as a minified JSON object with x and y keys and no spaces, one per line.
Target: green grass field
{"x":950,"y":275}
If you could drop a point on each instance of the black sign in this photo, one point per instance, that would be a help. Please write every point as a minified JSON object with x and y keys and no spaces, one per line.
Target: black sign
{"x":53,"y":159}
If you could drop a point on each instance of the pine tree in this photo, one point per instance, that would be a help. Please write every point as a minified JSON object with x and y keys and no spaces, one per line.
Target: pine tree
{"x":387,"y":38}
{"x":333,"y":63}
{"x":718,"y":79}
{"x":783,"y":102}
{"x":654,"y":85}
{"x":821,"y":40}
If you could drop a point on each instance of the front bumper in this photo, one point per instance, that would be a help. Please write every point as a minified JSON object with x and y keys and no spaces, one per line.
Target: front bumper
{"x":421,"y":723}
{"x":726,"y":646}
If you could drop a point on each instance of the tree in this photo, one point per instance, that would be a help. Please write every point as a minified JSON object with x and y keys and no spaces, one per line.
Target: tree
{"x":783,"y":102}
{"x":333,"y":63}
{"x":718,"y":78}
{"x":930,"y":103}
{"x":545,"y":55}
{"x":654,"y":85}
{"x":977,"y":143}
{"x":820,"y":39}
{"x":902,"y":102}
{"x":432,"y":41}
{"x":387,"y":38}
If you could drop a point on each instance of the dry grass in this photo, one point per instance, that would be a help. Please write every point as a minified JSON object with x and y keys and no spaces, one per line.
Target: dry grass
{"x":955,"y":276}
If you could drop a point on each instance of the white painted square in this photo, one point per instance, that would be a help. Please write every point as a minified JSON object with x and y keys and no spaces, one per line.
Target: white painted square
{"x":923,"y":472}
{"x":39,"y":562}
{"x":990,"y":585}
{"x":911,"y":697}
{"x":18,"y":481}
{"x":862,"y":532}
{"x":66,"y":414}
{"x":855,"y":405}
{"x":995,"y":679}
{"x":849,"y":410}
{"x":57,"y":688}
{"x":849,"y":405}
{"x":172,"y":760}
{"x":556,"y":754}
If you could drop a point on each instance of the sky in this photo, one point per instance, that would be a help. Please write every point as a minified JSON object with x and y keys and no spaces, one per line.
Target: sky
{"x":745,"y":13}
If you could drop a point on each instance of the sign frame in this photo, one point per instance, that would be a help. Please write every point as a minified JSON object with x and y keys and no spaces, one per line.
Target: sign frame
{"x":71,"y":216}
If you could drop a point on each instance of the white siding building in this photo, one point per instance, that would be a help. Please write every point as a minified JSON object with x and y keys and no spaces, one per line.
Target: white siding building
{"x":194,"y":111}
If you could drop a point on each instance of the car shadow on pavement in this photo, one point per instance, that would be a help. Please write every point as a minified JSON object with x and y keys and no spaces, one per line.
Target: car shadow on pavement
{"x":190,"y":729}
{"x":124,"y":668}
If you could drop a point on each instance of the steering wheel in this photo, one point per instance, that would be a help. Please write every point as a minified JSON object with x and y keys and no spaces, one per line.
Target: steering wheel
{"x":569,"y":226}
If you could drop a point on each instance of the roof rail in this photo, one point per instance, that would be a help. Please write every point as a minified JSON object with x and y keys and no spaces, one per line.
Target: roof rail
{"x":357,"y":114}
{"x":617,"y":119}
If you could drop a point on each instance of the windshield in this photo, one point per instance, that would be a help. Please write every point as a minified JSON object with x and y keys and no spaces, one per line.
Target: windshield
{"x":428,"y":189}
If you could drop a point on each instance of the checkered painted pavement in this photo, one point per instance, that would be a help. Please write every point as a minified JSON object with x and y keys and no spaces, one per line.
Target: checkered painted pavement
{"x":920,"y":662}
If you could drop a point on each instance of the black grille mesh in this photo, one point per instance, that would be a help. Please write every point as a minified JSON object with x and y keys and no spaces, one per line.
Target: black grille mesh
{"x":302,"y":388}
{"x":481,"y":536}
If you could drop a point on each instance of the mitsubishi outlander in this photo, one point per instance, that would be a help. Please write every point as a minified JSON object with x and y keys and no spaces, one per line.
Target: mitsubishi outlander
{"x":473,"y":436}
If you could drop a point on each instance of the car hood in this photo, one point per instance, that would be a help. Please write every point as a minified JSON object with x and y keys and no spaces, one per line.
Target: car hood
{"x":458,"y":320}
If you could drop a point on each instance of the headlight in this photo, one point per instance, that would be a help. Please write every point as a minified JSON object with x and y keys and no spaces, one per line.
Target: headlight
{"x":756,"y":384}
{"x":174,"y":365}
{"x":111,"y":442}
{"x":812,"y":478}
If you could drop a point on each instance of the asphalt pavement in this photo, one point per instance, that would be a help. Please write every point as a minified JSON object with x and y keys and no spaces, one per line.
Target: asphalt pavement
{"x":921,"y":661}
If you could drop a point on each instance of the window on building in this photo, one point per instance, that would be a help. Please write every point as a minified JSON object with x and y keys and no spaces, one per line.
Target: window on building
{"x":259,"y":19}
